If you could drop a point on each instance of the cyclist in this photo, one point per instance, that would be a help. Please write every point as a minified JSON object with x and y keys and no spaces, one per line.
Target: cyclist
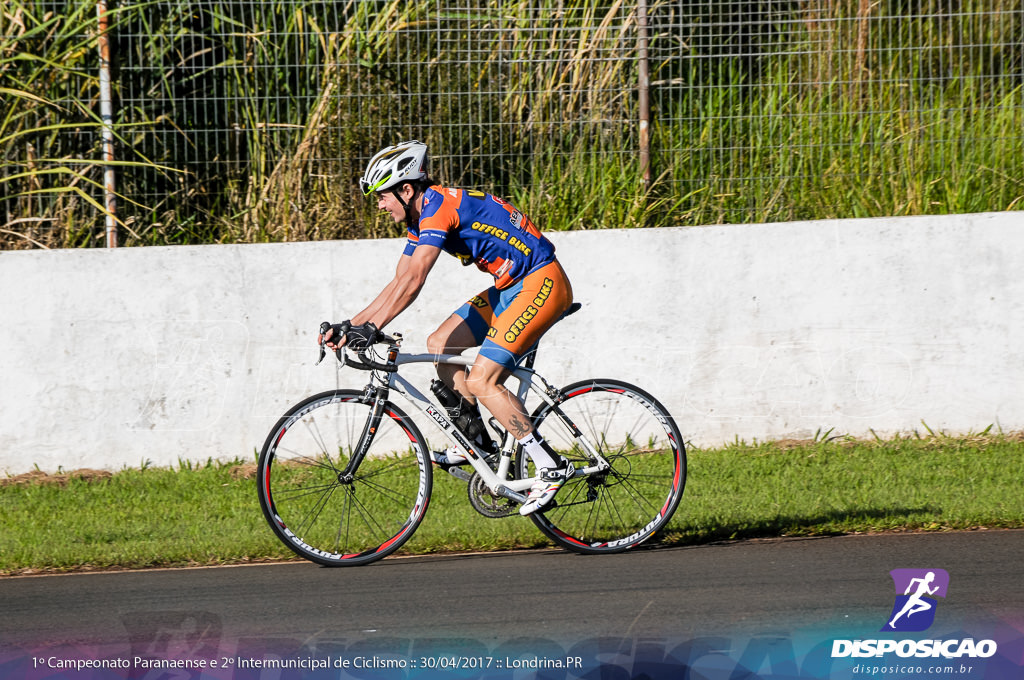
{"x":530,"y":293}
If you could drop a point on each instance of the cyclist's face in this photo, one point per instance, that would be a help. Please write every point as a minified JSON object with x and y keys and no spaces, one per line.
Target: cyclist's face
{"x":388,"y":202}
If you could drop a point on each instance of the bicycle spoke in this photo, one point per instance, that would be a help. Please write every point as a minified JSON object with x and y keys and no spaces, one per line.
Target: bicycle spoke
{"x":365,"y":515}
{"x":630,"y":483}
{"x":398,"y":464}
{"x":295,"y":457}
{"x":301,"y":492}
{"x":314,"y":513}
{"x":314,"y":432}
{"x":641,"y":503}
{"x":386,"y":492}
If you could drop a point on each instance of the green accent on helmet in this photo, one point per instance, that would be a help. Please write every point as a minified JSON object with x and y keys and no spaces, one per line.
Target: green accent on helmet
{"x":370,"y":188}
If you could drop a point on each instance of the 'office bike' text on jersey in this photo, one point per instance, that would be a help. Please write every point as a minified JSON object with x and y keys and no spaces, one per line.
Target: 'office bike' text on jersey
{"x":481,"y":229}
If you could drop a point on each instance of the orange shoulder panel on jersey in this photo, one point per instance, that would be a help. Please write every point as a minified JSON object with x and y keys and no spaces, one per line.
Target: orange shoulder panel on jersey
{"x":446,"y":217}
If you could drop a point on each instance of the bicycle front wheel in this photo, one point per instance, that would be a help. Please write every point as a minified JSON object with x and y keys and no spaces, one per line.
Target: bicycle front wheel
{"x":329,"y":514}
{"x":621,"y":507}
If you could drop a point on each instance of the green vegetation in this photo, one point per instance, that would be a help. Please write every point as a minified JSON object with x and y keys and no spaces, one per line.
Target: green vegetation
{"x":247,"y":122}
{"x":210,"y":515}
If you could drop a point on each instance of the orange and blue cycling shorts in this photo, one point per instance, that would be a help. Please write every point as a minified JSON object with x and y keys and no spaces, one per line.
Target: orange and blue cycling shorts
{"x":508,"y":323}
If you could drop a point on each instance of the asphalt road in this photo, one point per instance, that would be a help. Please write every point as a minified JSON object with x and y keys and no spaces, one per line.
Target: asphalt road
{"x":750,"y":586}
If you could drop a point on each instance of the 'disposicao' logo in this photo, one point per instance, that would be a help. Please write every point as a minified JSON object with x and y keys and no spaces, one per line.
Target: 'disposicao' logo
{"x":916,"y":590}
{"x":914,"y":611}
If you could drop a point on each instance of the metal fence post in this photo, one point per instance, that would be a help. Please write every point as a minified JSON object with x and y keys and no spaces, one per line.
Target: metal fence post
{"x":107,"y":118}
{"x":643,"y":96}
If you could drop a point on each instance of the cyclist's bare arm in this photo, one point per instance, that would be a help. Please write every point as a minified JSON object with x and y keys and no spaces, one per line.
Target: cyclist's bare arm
{"x":401,"y":291}
{"x":410,"y":274}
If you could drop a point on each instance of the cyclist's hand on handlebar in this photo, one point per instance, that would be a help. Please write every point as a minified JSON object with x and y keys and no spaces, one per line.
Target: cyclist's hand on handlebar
{"x":337,"y":335}
{"x":362,"y":336}
{"x":334,"y":335}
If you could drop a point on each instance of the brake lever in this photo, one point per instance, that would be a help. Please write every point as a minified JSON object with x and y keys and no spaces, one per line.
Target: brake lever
{"x":323,"y":343}
{"x":324,"y":327}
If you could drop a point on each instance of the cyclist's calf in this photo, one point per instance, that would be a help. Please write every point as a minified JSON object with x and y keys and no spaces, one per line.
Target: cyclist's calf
{"x":486,"y":383}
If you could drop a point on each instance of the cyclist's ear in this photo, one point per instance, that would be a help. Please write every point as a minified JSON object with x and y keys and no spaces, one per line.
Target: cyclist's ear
{"x":406,"y":192}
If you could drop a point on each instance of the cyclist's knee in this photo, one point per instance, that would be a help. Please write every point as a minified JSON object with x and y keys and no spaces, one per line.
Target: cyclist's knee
{"x":451,"y":337}
{"x":442,"y":341}
{"x":486,"y":378}
{"x":437,"y":341}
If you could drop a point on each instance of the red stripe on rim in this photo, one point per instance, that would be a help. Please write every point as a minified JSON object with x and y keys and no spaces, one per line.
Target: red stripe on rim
{"x":266,"y":473}
{"x":592,"y":388}
{"x":384,"y":546}
{"x":407,"y":431}
{"x":568,"y":537}
{"x":675,"y":480}
{"x":675,"y":485}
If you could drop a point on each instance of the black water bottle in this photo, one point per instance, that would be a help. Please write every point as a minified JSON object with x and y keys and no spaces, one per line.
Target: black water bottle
{"x":447,"y":397}
{"x":464,"y":414}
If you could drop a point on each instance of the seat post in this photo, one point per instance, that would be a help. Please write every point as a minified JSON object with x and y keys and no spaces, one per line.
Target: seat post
{"x":531,"y":356}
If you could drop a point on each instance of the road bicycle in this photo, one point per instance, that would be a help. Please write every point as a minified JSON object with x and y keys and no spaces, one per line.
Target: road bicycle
{"x":345,"y":476}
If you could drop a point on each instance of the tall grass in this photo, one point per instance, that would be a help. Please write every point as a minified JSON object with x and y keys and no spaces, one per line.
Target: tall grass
{"x":959,"y":157}
{"x":47,"y":185}
{"x":842,"y":111}
{"x":247,"y":122}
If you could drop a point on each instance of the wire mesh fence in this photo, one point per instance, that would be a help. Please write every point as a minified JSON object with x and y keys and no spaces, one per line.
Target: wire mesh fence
{"x":246,"y":121}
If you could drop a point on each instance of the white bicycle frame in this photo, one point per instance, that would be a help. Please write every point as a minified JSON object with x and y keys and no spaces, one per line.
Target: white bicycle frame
{"x":496,"y":479}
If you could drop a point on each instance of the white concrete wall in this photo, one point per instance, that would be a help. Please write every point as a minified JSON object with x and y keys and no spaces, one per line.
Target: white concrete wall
{"x":113,"y":358}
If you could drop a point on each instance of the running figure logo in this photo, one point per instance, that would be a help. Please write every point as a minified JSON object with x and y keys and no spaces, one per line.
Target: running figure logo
{"x":915,"y":605}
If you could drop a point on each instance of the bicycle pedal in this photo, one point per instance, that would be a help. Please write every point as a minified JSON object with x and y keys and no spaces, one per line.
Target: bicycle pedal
{"x":550,"y":505}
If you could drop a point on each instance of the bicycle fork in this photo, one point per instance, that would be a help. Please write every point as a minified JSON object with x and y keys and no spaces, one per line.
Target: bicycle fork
{"x":379,"y":397}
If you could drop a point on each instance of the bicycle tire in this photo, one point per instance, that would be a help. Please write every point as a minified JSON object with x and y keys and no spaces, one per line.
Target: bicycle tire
{"x":625,"y":506}
{"x":324,"y":516}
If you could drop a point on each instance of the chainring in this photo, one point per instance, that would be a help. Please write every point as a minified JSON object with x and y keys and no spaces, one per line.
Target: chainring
{"x":487,"y":503}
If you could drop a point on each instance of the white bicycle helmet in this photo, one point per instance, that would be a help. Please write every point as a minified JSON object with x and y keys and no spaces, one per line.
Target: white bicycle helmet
{"x":390,"y":167}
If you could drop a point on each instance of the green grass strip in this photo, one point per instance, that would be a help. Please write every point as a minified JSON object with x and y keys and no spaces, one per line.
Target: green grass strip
{"x":205,"y":515}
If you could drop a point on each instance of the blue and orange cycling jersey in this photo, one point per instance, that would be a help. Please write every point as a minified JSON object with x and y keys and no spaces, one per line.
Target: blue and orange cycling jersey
{"x":481,"y":229}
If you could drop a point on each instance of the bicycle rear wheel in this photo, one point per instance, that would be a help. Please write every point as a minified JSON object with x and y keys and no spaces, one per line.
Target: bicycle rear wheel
{"x":620,"y":508}
{"x":322,"y":513}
